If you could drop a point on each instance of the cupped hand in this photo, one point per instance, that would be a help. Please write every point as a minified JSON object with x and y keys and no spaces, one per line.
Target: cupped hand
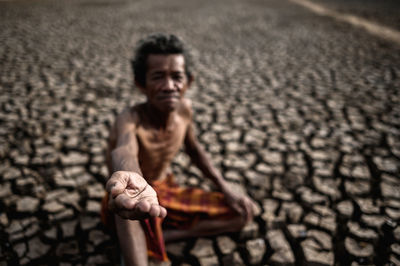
{"x":131,"y":197}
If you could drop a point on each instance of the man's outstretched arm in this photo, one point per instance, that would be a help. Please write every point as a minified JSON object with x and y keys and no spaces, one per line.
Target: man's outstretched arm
{"x":130,"y":195}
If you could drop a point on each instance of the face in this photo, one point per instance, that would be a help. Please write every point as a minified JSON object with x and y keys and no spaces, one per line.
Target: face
{"x":166,"y":81}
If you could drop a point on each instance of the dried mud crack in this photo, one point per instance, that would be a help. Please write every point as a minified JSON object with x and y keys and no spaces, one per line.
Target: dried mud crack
{"x":299,"y":111}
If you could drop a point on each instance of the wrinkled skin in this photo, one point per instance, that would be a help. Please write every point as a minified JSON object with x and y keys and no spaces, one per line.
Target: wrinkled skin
{"x":131,"y":197}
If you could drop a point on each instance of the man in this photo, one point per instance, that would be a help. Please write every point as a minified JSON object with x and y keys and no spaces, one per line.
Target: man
{"x":143,"y":141}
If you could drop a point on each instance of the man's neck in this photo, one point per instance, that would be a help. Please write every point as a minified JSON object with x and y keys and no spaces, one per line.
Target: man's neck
{"x":159,"y":119}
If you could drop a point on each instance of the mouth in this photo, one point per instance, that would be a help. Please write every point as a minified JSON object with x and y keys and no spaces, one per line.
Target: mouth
{"x":168,"y":98}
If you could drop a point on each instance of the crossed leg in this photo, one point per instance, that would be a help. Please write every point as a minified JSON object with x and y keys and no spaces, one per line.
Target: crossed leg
{"x":205,"y":228}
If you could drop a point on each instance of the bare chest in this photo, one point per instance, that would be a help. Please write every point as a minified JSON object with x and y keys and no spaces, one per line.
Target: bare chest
{"x":158,"y":145}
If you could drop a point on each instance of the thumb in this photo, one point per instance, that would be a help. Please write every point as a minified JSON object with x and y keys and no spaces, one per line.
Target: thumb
{"x":117,"y":183}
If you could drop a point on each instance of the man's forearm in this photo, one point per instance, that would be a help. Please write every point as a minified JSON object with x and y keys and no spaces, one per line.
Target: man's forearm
{"x":211,"y":172}
{"x":124,"y":160}
{"x":200,"y":159}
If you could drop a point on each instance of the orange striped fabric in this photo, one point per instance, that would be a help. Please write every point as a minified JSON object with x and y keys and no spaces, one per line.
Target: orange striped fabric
{"x":185,"y":207}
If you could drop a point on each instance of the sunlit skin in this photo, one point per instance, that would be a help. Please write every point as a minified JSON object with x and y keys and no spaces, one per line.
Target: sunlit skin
{"x":142,"y":144}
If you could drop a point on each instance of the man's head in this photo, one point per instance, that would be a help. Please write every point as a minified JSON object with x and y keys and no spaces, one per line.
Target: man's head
{"x":162,"y":71}
{"x":158,"y":44}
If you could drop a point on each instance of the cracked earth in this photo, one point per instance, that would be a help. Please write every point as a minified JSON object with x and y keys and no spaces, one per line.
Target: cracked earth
{"x":300,"y":111}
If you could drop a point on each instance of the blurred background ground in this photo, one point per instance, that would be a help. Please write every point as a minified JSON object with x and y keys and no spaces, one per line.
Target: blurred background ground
{"x":382,"y":12}
{"x":298,"y":110}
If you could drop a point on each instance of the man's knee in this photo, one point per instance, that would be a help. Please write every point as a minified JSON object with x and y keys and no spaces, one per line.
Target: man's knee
{"x":238,"y":223}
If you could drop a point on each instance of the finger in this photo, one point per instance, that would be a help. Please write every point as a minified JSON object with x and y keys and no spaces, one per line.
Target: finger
{"x":155,"y":210}
{"x":249,"y":211}
{"x":246,"y":213}
{"x":143,"y":206}
{"x":150,"y":199}
{"x":250,"y":208}
{"x":140,"y":212}
{"x":122,"y":202}
{"x":246,"y":209}
{"x":255,"y":207}
{"x":133,"y":215}
{"x":163,"y":212}
{"x":117,"y":183}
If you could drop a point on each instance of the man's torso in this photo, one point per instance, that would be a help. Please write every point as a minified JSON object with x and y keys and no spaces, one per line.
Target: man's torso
{"x":157,"y":147}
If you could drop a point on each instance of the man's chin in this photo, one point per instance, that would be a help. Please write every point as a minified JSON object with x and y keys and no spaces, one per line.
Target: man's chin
{"x":166,"y":106}
{"x":170,"y":107}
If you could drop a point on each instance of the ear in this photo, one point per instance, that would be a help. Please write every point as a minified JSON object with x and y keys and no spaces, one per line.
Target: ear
{"x":190,"y":80}
{"x":141,"y":88}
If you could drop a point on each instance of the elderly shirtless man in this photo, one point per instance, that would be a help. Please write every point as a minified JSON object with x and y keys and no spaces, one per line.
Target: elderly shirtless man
{"x":147,"y":207}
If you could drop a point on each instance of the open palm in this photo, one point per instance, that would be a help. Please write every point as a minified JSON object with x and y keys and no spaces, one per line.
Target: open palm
{"x":131,"y":197}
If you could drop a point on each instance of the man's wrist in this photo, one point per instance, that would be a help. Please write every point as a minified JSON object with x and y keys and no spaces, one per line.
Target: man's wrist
{"x":222,"y":184}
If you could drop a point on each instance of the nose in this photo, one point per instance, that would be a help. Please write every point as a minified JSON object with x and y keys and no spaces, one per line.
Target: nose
{"x":168,"y":84}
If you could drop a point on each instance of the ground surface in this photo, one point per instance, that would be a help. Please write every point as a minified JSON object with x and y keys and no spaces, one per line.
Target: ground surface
{"x":300,"y":111}
{"x":382,"y":12}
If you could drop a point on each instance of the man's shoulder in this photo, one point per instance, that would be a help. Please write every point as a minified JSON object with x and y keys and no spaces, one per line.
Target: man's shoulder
{"x":187,"y":103}
{"x":186,"y":108}
{"x":130,"y":114}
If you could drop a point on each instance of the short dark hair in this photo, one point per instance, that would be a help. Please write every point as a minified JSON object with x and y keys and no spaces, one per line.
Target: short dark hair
{"x":158,"y":44}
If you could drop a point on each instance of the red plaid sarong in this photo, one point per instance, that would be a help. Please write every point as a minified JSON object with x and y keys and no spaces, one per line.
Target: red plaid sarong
{"x":185,"y":207}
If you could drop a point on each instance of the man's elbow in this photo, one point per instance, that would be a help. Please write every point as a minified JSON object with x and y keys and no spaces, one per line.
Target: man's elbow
{"x":115,"y":153}
{"x":123,"y":151}
{"x":120,"y":154}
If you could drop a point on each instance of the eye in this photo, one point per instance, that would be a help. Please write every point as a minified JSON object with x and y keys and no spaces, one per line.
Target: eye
{"x":156,"y":77}
{"x":178,"y":77}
